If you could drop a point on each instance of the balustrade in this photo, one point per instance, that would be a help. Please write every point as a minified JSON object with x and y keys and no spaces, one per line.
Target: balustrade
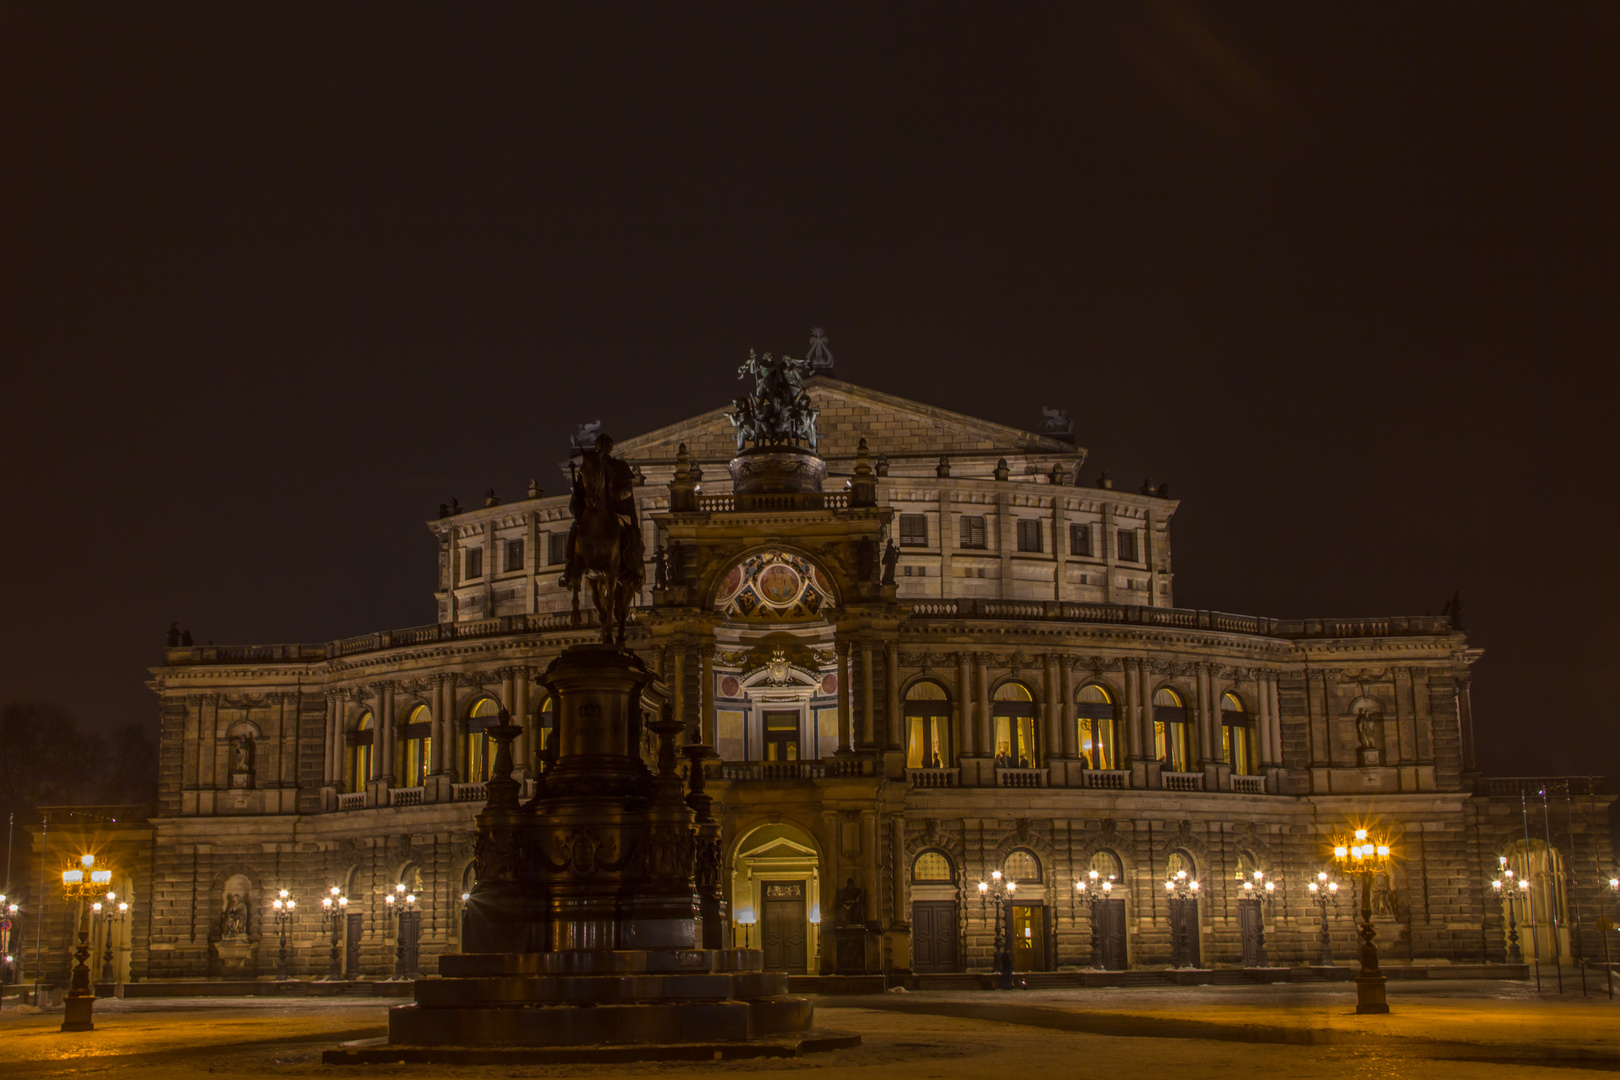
{"x":933,"y":778}
{"x":351,"y":800}
{"x":1021,"y":778}
{"x":1182,"y":781}
{"x":1249,"y":785}
{"x":1108,"y":779}
{"x":405,"y":796}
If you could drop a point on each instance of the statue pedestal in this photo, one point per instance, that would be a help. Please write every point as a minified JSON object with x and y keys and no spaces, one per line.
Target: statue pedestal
{"x":584,"y":928}
{"x":1369,"y":756}
{"x":235,"y":958}
{"x":776,"y":470}
{"x":849,"y":950}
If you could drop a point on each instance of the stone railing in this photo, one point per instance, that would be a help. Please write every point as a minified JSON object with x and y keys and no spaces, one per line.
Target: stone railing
{"x":1108,"y":779}
{"x":1020,"y":778}
{"x":933,"y":778}
{"x":809,"y":769}
{"x":351,"y":800}
{"x":1249,"y":785}
{"x":795,"y":500}
{"x":1556,"y":787}
{"x":1182,"y":781}
{"x":405,"y":796}
{"x":1178,"y":618}
{"x":474,"y":792}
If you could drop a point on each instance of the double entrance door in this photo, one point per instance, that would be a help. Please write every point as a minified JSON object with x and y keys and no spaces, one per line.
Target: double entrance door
{"x":1184,"y":933}
{"x":933,"y":936}
{"x":782,"y":926}
{"x":1110,"y":934}
{"x":1029,"y":937}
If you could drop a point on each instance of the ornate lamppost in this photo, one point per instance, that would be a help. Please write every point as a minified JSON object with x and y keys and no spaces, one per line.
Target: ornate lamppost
{"x":1261,"y":892}
{"x":8,"y":921}
{"x":402,"y":905}
{"x":1094,"y":891}
{"x":1324,"y":891}
{"x":1605,"y":927}
{"x":332,"y":908}
{"x":1182,"y":890}
{"x":1366,"y":856}
{"x":81,"y":884}
{"x":1505,"y":884}
{"x":283,"y":906}
{"x":110,"y":914}
{"x":1000,"y":890}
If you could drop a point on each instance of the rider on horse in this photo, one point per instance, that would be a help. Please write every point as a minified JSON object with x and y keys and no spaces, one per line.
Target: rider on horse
{"x":601,"y":472}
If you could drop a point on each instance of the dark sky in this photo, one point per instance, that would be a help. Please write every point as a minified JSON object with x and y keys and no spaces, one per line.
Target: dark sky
{"x":276,"y":281}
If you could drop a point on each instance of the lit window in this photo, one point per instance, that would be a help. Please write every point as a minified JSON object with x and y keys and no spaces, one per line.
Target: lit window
{"x":932,"y":866}
{"x":1021,"y":866}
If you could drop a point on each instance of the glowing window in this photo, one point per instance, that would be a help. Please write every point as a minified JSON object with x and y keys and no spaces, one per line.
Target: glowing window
{"x":1013,"y":692}
{"x":932,"y":866}
{"x":1022,"y":866}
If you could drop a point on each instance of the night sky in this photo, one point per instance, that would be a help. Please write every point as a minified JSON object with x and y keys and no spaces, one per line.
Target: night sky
{"x":275,"y":282}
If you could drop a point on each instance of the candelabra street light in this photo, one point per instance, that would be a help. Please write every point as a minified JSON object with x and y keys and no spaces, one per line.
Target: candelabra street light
{"x":1366,"y":857}
{"x":332,"y":908}
{"x":403,"y":906}
{"x":81,"y":884}
{"x":8,"y":923}
{"x":1095,"y":891}
{"x":110,"y":914}
{"x":1261,"y":892}
{"x":1509,"y":886}
{"x":1605,"y":928}
{"x":999,"y":890}
{"x":1325,"y":891}
{"x":1182,"y":891}
{"x":283,"y":914}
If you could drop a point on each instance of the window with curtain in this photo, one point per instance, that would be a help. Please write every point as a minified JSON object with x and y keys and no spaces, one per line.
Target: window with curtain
{"x":927,"y":712}
{"x":357,"y":754}
{"x":1095,"y":719}
{"x":479,"y":748}
{"x":1237,"y":736}
{"x":415,"y":748}
{"x":1170,"y":740}
{"x":1012,"y":714}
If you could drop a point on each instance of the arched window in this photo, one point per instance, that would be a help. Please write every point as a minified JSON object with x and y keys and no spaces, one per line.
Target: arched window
{"x":932,"y":867}
{"x":1107,"y":866}
{"x":545,"y":727}
{"x":928,"y":726}
{"x":415,"y":747}
{"x":357,"y":750}
{"x":1013,"y":716}
{"x":1237,"y":735}
{"x":1022,"y":866}
{"x":1170,"y":730}
{"x":1180,"y":862}
{"x":480,"y":748}
{"x":1096,"y":721}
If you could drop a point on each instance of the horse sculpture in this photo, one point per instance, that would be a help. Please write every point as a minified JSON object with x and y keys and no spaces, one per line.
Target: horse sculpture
{"x":604,"y":545}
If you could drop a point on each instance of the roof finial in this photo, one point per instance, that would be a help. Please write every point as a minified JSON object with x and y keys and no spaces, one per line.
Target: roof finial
{"x":821,"y":360}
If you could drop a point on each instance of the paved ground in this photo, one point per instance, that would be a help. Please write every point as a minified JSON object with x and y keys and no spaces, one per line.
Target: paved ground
{"x":1449,"y":1031}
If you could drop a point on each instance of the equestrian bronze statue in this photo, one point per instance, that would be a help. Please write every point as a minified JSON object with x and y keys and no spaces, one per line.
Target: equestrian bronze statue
{"x":604,"y":543}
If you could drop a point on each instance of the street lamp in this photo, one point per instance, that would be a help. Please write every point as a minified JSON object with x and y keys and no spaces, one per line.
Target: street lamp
{"x":1000,"y":890}
{"x":1094,"y":891}
{"x":1260,"y":891}
{"x":1323,"y":893}
{"x":81,"y":883}
{"x":1506,"y":885}
{"x":332,"y":907}
{"x":1181,"y":890}
{"x":401,"y":904}
{"x":111,"y":913}
{"x":1366,"y":856}
{"x":283,"y":914}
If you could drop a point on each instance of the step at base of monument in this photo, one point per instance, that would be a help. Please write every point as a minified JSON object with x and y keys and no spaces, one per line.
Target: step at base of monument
{"x":583,"y":1025}
{"x":380,"y":1052}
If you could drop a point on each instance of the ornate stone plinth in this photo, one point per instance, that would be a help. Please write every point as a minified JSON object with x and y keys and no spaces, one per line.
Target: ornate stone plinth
{"x":776,"y":470}
{"x":583,"y":929}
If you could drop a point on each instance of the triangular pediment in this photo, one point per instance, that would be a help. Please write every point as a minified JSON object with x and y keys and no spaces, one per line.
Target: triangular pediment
{"x":889,"y":423}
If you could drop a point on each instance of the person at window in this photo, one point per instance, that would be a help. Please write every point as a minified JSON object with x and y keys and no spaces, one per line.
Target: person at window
{"x":1023,"y":762}
{"x":1085,"y":762}
{"x":933,"y":762}
{"x":1003,"y":758}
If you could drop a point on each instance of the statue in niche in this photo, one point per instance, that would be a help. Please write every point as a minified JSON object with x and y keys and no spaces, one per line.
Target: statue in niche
{"x":242,"y":753}
{"x":1366,"y":729}
{"x":1383,"y":895}
{"x":851,"y":904}
{"x":233,"y":921}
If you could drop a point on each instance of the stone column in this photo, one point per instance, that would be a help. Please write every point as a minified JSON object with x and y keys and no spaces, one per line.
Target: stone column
{"x":677,"y":679}
{"x":1207,"y":747}
{"x":866,"y":693}
{"x":1276,"y":717}
{"x":1145,"y":696}
{"x":286,"y":738}
{"x":1465,"y":720}
{"x":869,"y":841}
{"x":1262,"y":704}
{"x":334,"y":735}
{"x":1071,"y":736}
{"x":1131,"y":709}
{"x":1052,"y":692}
{"x":706,"y":693}
{"x":832,"y":879}
{"x":841,"y":647}
{"x":1106,"y":547}
{"x":208,"y":730}
{"x":436,"y":757}
{"x":891,"y":684}
{"x":897,"y":867}
{"x":1060,"y":547}
{"x":525,"y":745}
{"x":385,"y":729}
{"x":981,"y":687}
{"x":962,"y":710}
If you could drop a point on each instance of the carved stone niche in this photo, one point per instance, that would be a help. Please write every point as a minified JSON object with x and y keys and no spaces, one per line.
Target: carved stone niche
{"x":774,"y":470}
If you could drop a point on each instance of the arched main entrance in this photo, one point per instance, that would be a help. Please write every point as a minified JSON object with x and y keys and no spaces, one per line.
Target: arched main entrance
{"x":1543,"y":915}
{"x":776,"y":896}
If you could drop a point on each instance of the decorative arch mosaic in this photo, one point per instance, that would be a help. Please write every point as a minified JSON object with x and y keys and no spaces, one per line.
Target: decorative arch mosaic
{"x":772,"y":586}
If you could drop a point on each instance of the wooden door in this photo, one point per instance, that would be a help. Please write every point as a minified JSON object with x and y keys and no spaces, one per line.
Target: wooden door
{"x":1249,"y":916}
{"x":782,"y":922}
{"x":410,"y":942}
{"x":1029,"y":937}
{"x":1184,"y":933}
{"x":1112,"y":934}
{"x":351,"y":952}
{"x":933,"y":935}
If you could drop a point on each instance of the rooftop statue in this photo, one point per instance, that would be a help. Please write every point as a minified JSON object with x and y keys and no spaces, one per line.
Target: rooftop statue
{"x":779,"y":411}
